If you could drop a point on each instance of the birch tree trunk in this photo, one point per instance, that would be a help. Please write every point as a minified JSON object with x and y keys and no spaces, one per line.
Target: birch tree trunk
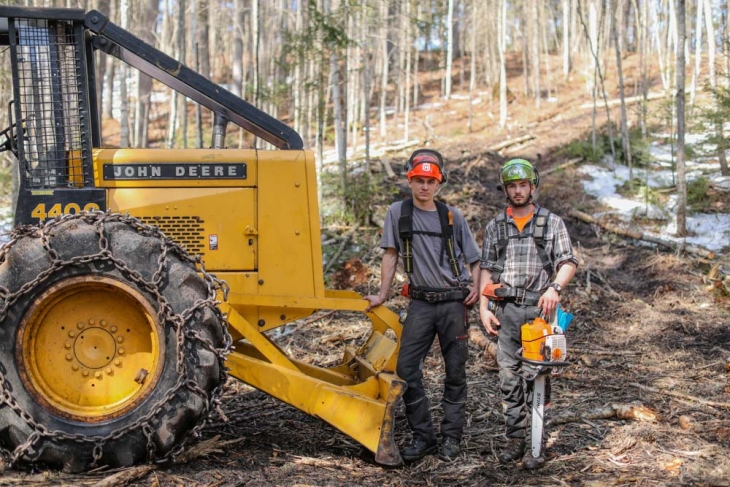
{"x":450,"y":47}
{"x":535,"y":51}
{"x":100,"y":65}
{"x":624,"y":121}
{"x":340,"y":132}
{"x":385,"y":61}
{"x":719,"y":135}
{"x":566,"y":38}
{"x":698,"y":54}
{"x":502,"y":40}
{"x":123,"y":75}
{"x":144,"y":82}
{"x":203,"y":34}
{"x":299,"y":64}
{"x":417,"y":59}
{"x":709,"y":25}
{"x":109,"y":72}
{"x":237,"y":52}
{"x":409,"y":46}
{"x":366,"y":90}
{"x":681,"y":175}
{"x":473,"y":62}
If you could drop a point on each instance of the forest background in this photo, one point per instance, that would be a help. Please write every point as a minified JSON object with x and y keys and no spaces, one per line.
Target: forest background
{"x":572,"y":85}
{"x":351,"y":74}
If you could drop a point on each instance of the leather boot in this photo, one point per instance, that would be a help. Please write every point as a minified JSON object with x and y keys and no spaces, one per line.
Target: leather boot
{"x":513,"y":451}
{"x":418,"y":448}
{"x":450,"y":449}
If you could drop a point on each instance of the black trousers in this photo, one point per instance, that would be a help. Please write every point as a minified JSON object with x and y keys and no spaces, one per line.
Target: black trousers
{"x":516,"y":391}
{"x":425,"y":321}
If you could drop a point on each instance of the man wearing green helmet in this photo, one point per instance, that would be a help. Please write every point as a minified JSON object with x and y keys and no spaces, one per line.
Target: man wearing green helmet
{"x":527,"y":259}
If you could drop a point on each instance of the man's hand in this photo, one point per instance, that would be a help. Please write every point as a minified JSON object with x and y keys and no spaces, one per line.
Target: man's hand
{"x":548,"y":302}
{"x":375,"y":300}
{"x":490,"y":322}
{"x":473,"y":296}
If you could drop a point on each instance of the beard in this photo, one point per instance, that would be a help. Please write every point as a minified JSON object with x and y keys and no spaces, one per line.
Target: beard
{"x":514,"y":204}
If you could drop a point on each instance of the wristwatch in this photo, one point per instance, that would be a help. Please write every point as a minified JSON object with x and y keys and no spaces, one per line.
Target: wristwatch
{"x":556,"y":286}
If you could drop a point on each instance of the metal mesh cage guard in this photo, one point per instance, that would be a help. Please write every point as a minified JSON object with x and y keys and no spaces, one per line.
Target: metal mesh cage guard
{"x":51,"y":93}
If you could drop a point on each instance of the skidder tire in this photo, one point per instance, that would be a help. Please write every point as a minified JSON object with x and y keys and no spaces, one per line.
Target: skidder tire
{"x":112,"y":347}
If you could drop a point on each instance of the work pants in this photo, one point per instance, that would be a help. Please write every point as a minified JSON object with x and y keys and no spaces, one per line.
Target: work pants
{"x":424,"y":321}
{"x":516,"y":390}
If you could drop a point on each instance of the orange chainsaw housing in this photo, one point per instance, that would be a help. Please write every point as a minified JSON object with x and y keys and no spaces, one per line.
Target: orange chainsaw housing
{"x":533,"y":339}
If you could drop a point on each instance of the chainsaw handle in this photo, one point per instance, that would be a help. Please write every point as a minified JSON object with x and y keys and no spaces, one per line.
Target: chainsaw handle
{"x":539,"y":363}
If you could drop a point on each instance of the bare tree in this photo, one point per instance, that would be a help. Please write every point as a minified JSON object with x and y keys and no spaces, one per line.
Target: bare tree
{"x":502,"y":40}
{"x":624,"y":122}
{"x":144,"y":82}
{"x":449,"y":47}
{"x":681,"y":175}
{"x":123,"y":75}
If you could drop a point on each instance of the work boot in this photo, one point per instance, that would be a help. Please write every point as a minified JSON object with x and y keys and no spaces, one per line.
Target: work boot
{"x":450,"y":449}
{"x":531,"y":463}
{"x":513,"y":450}
{"x":418,"y":448}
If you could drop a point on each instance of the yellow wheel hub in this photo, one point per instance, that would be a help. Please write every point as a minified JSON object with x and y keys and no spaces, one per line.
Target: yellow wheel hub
{"x":90,"y":348}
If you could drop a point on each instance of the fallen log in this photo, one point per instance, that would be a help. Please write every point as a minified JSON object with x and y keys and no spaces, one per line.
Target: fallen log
{"x":631,"y":99}
{"x":480,"y":340}
{"x":674,"y":246}
{"x":635,"y":411}
{"x":561,"y":166}
{"x":510,"y":142}
{"x":680,"y":395}
{"x":387,"y":167}
{"x":126,"y":476}
{"x":345,"y":241}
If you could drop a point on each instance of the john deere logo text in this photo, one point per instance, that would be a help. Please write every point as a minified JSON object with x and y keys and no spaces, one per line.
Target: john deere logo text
{"x":121,"y":172}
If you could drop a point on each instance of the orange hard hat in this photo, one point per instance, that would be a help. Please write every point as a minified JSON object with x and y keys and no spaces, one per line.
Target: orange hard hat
{"x":426,"y":163}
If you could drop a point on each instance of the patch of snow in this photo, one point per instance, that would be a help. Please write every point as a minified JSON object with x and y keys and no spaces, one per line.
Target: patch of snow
{"x":711,"y":231}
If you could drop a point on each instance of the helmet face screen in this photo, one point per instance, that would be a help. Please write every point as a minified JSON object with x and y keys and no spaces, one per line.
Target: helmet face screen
{"x":517,"y":170}
{"x":425,"y":163}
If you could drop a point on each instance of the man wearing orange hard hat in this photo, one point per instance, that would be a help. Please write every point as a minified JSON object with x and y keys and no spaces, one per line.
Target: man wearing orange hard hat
{"x":441,"y":259}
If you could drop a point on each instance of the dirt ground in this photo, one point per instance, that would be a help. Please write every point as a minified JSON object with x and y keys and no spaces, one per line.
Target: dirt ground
{"x":646,"y":401}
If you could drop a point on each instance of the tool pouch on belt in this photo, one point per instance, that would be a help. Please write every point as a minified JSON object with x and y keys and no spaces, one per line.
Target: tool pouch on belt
{"x":490,"y":290}
{"x":406,"y":290}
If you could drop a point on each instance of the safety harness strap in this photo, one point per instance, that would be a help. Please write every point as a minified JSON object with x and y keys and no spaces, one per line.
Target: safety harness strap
{"x":406,"y":233}
{"x":539,"y":231}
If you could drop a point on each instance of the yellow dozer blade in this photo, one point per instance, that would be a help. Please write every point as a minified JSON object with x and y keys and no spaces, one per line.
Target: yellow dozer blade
{"x":357,"y":397}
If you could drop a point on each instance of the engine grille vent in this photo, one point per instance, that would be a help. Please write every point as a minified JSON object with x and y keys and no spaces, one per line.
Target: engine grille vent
{"x":185,"y":230}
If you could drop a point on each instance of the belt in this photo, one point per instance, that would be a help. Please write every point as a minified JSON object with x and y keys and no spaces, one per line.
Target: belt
{"x":439,"y":295}
{"x":518,"y":295}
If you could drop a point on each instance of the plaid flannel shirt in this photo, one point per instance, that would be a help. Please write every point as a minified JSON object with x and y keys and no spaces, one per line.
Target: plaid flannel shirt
{"x":522,"y":265}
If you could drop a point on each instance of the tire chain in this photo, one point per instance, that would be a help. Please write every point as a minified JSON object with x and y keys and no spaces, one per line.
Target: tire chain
{"x":165,"y":315}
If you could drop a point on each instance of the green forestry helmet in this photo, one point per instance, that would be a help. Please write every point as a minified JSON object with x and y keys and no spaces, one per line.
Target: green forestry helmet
{"x":518,"y":170}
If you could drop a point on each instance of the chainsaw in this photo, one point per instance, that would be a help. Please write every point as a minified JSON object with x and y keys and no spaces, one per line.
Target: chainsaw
{"x":543,"y":346}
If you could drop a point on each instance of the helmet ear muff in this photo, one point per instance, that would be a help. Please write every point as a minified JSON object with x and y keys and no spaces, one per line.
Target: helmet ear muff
{"x":409,"y":166}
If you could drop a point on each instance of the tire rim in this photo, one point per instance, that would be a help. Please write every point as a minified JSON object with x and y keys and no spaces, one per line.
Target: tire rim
{"x":90,"y":348}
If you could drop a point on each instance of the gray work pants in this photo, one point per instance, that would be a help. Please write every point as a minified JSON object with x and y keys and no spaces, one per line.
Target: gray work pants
{"x":425,"y":321}
{"x":516,"y":391}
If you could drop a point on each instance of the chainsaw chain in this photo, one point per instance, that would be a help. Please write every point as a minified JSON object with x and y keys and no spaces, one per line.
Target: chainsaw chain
{"x":99,"y":220}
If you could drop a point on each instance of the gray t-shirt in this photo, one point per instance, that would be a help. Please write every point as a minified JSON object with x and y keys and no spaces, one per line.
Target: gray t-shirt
{"x":430,"y":259}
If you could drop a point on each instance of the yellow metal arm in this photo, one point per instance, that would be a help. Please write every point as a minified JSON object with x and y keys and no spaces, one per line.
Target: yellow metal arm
{"x":357,"y":397}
